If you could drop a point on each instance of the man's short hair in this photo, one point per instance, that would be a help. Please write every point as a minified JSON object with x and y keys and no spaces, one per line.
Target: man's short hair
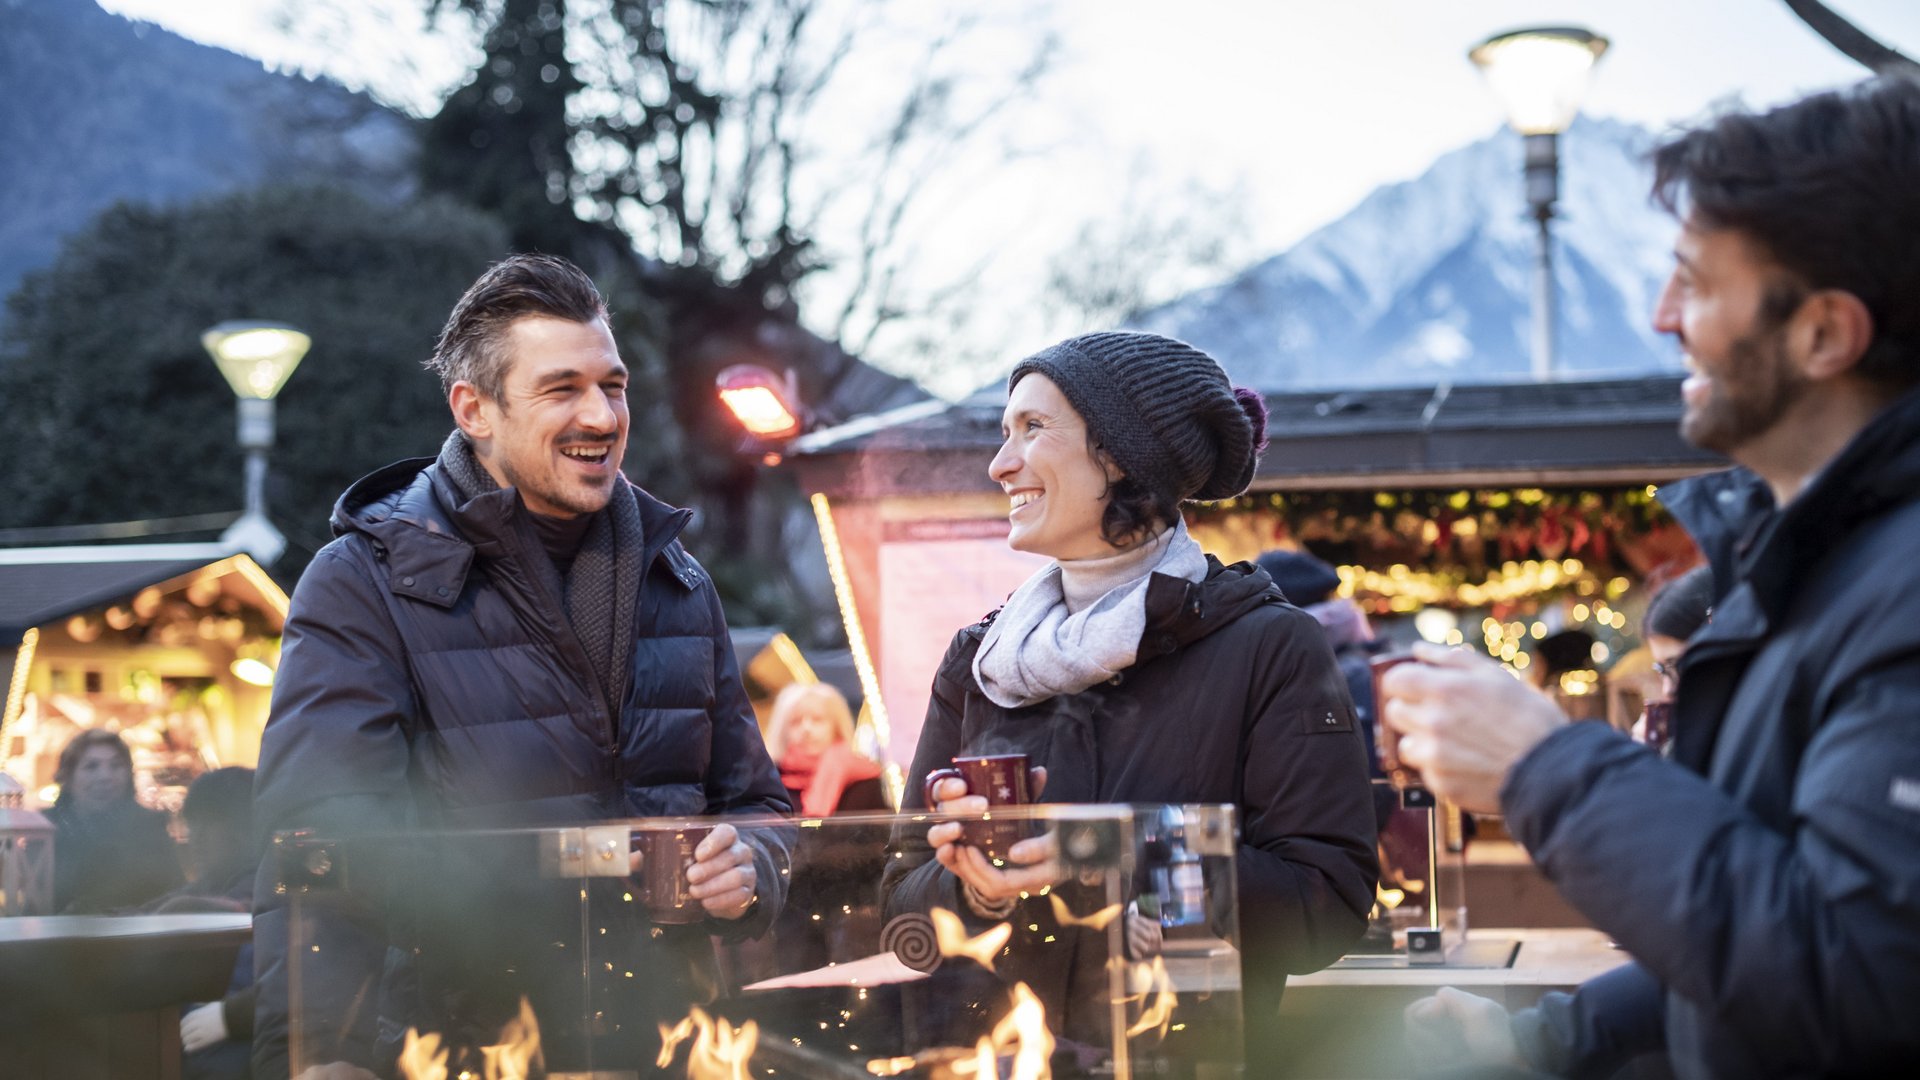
{"x":471,"y":346}
{"x":1829,"y":187}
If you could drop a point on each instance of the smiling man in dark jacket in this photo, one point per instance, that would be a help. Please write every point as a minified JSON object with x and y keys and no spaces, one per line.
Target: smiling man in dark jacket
{"x":506,"y":636}
{"x":1767,"y":878}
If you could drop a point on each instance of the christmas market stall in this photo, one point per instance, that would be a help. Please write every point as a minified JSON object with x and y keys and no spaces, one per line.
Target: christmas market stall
{"x":174,"y":646}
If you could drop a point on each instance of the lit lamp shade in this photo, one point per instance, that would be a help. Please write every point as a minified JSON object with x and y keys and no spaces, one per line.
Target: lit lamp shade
{"x":256,"y":357}
{"x":759,"y":400}
{"x":1540,"y":75}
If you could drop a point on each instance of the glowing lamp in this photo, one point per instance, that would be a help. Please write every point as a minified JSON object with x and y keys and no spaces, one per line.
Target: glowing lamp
{"x":760,"y":400}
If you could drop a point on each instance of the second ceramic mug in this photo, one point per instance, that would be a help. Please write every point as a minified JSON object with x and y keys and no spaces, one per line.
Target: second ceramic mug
{"x":1003,"y":780}
{"x":1386,"y":740}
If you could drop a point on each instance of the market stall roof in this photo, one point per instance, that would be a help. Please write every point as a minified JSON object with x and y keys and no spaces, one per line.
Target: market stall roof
{"x":43,"y":584}
{"x":1593,"y":431}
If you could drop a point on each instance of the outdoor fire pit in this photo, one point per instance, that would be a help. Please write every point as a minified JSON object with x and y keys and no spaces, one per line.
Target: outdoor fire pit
{"x":545,"y":953}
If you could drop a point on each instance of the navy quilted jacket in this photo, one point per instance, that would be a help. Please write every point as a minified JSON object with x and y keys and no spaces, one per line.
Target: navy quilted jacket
{"x":429,"y":680}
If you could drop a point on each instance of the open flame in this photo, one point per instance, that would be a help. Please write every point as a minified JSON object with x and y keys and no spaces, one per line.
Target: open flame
{"x":1021,"y":1038}
{"x":720,"y":1051}
{"x":422,"y":1057}
{"x":515,"y":1057}
{"x":1150,"y":983}
{"x":951,"y":934}
{"x":1097,"y":921}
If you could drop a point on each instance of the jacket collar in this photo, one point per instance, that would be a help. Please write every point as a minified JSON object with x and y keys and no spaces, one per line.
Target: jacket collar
{"x":430,"y":538}
{"x":1731,"y":514}
{"x":1180,"y":613}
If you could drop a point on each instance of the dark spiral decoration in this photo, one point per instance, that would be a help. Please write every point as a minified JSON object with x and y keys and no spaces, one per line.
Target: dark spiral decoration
{"x":910,"y":937}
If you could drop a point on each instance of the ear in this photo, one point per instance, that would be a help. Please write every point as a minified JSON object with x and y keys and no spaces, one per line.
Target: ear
{"x":1831,"y":331}
{"x":1108,"y":466}
{"x":467,"y":404}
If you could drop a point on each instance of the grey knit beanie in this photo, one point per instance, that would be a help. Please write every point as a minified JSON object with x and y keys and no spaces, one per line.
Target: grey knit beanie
{"x":1162,"y":409}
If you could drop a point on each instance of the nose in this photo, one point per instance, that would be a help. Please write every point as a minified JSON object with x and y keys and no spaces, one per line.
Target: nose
{"x":597,"y":412}
{"x":1004,"y":464}
{"x":1666,"y":310}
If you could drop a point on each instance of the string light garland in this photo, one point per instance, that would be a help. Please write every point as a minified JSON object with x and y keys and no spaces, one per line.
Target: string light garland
{"x":874,"y":710}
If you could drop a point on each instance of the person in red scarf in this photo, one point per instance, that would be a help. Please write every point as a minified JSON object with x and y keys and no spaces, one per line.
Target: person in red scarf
{"x":811,"y":738}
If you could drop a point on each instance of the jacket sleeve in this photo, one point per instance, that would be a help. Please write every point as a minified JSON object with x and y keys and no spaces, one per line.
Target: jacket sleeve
{"x":741,"y":779}
{"x":1307,"y":862}
{"x":1595,"y":1031}
{"x":1805,"y":941}
{"x":333,"y":759}
{"x":913,"y":880}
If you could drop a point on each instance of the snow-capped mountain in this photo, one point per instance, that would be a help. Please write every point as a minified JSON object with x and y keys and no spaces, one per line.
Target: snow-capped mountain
{"x":1428,"y":279}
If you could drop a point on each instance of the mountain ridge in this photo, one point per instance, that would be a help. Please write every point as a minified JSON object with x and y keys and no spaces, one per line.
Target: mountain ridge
{"x":1428,"y":279}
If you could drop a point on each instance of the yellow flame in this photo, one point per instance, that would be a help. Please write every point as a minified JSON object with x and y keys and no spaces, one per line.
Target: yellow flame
{"x":422,"y":1057}
{"x":951,"y":935}
{"x":720,"y":1051}
{"x":1152,"y":980}
{"x":1025,"y":1030}
{"x":515,"y":1057}
{"x":1099,"y":920}
{"x":517,"y":1053}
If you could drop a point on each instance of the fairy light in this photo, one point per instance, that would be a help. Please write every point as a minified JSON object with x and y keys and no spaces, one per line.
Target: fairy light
{"x":1401,"y":588}
{"x":856,"y":639}
{"x":17,"y":686}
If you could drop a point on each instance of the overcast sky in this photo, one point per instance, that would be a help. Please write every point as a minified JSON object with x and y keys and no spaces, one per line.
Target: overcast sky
{"x":1299,"y":107}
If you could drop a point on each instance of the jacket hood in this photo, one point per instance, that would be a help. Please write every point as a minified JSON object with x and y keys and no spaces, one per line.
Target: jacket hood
{"x":414,"y":512}
{"x":1728,"y":512}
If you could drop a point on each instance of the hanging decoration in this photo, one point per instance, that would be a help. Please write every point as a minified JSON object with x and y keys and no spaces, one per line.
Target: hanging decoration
{"x":1401,"y":550}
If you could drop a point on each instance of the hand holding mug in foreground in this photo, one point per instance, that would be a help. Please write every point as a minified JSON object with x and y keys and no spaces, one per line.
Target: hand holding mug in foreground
{"x":1464,"y":722}
{"x":1029,"y":864}
{"x":722,"y":876}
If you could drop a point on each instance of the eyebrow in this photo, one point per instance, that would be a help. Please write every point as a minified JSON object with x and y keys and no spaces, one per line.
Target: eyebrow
{"x":1007,"y":422}
{"x":567,"y":375}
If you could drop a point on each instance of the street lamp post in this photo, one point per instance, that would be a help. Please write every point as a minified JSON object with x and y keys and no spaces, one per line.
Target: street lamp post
{"x":256,"y":358}
{"x":1540,"y":75}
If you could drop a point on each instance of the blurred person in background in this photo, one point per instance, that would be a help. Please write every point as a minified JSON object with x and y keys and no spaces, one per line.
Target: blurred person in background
{"x":830,"y":915}
{"x":110,"y":852}
{"x":811,"y":740}
{"x":222,"y":857}
{"x":1675,"y":614}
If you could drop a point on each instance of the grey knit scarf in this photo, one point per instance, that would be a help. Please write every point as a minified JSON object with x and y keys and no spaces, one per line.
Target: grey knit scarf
{"x":601,"y":587}
{"x":1037,"y":649}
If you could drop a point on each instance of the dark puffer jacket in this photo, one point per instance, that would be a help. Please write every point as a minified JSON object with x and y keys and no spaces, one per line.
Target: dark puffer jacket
{"x":1768,"y":877}
{"x":1234,"y":698}
{"x":429,"y":679}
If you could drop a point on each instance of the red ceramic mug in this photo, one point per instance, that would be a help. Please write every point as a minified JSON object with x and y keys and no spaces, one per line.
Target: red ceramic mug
{"x":665,"y":855}
{"x":1659,"y":728}
{"x":1003,"y":780}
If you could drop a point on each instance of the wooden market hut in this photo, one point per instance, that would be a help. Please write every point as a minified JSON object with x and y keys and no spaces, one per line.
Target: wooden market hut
{"x":173,"y":645}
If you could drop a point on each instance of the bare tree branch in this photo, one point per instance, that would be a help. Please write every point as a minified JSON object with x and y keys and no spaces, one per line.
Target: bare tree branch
{"x":1855,"y":43}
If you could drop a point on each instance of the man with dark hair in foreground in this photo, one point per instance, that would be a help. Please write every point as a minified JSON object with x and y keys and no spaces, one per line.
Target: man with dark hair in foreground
{"x":1767,"y":878}
{"x":507,"y":636}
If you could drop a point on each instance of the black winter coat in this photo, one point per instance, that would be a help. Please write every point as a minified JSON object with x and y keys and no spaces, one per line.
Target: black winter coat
{"x":1234,"y":698}
{"x":1768,"y":876}
{"x":429,"y":679}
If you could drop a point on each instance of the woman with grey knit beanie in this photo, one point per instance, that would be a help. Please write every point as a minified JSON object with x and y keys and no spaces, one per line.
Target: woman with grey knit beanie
{"x":1135,"y":668}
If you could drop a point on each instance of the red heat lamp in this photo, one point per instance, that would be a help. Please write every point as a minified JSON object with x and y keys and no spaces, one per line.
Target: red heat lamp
{"x":762,"y":401}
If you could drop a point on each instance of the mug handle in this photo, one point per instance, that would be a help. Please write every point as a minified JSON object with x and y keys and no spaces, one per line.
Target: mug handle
{"x":934,"y":777}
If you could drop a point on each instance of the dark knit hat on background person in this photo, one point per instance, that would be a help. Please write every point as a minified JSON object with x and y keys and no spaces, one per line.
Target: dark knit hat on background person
{"x":1162,"y":409}
{"x":1304,"y":579}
